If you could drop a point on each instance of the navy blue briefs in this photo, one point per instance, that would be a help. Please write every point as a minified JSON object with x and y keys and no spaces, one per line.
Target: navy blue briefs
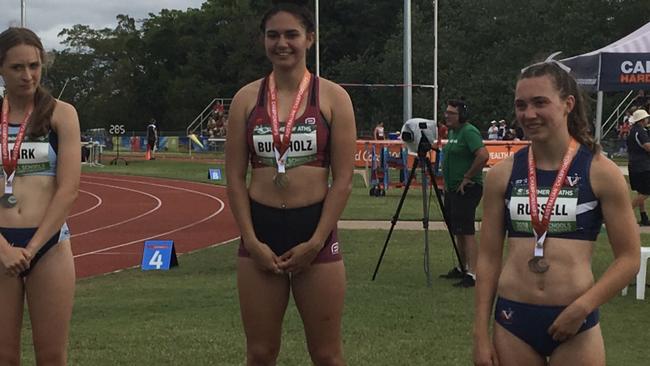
{"x":530,"y":323}
{"x":20,"y":237}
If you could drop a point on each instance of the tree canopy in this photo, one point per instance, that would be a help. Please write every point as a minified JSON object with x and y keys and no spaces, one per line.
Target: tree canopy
{"x":170,"y":65}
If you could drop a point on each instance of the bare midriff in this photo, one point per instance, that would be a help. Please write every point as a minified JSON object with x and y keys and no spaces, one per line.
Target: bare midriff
{"x":568,"y":277}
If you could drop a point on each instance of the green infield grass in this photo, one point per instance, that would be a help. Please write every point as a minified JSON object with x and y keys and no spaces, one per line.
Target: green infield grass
{"x":361,"y":206}
{"x":190,"y":314}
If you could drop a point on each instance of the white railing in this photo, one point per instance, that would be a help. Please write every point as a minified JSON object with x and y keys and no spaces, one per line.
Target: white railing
{"x":201,"y":118}
{"x":613,"y":118}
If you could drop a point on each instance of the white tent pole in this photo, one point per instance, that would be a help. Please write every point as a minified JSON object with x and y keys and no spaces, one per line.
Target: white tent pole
{"x":599,"y":115}
{"x":435,"y":60}
{"x":317,"y":41}
{"x":408,"y":88}
{"x":23,"y":14}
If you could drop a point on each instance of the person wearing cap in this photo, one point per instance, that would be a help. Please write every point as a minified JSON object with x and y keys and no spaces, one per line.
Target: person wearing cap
{"x":493,"y":131}
{"x":503,"y":127}
{"x":638,"y":150}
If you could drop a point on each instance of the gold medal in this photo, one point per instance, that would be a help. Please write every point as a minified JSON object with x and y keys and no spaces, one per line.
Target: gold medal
{"x":538,"y":265}
{"x":281,"y":180}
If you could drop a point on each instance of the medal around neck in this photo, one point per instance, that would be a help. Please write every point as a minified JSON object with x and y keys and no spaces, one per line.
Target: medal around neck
{"x":281,"y":180}
{"x":8,"y":200}
{"x":538,"y":265}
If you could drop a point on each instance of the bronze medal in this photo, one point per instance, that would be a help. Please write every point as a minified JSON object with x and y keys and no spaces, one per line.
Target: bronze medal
{"x":538,"y":265}
{"x":281,"y":180}
{"x":8,"y":200}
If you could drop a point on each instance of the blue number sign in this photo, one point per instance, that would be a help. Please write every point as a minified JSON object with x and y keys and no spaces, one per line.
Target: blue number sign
{"x":214,"y":174}
{"x":158,"y":255}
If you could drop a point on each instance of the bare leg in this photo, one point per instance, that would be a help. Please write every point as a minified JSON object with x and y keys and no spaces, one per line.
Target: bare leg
{"x":11,"y":318}
{"x":513,"y":351}
{"x":50,"y":295}
{"x":319,"y":294}
{"x":263,"y":299}
{"x":584,"y":349}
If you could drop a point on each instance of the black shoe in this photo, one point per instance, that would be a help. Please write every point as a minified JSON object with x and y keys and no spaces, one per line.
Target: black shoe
{"x":467,"y":281}
{"x":644,"y":223}
{"x":454,"y":273}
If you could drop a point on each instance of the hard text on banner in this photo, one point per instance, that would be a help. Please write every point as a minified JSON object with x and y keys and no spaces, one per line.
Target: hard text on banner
{"x":158,"y":255}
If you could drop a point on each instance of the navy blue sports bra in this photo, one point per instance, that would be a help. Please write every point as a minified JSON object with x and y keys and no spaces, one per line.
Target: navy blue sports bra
{"x":577,"y":213}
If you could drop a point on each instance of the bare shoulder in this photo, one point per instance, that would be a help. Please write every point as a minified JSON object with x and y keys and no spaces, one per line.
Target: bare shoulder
{"x":245,"y":98}
{"x":335,"y":102}
{"x":64,"y":114}
{"x":497,"y":177}
{"x":332,"y":89}
{"x":605,"y":175}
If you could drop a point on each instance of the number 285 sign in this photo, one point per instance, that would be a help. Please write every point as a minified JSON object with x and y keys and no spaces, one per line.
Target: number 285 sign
{"x":116,"y":130}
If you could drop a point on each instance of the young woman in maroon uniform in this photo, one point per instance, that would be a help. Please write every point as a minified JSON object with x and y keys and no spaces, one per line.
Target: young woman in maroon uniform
{"x":294,"y":128}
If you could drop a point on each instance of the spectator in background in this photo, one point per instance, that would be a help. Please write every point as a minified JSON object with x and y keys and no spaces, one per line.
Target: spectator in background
{"x":211,"y":127}
{"x":442,"y":133}
{"x":493,"y":131}
{"x":502,"y":129}
{"x":464,"y":159}
{"x":378,"y":133}
{"x":638,"y":154}
{"x":152,"y":139}
{"x":623,"y":129}
{"x":509,"y":135}
{"x":85,"y":148}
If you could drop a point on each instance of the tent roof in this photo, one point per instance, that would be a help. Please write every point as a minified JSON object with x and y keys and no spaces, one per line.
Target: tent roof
{"x":636,"y":42}
{"x":601,"y":69}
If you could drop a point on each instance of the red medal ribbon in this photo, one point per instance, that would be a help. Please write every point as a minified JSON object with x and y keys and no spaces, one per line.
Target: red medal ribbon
{"x":541,"y":227}
{"x":282,"y":145}
{"x":9,"y":163}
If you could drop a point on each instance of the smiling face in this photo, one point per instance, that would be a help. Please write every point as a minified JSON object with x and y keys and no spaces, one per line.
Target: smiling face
{"x":286,"y":40}
{"x":21,"y":70}
{"x":540,"y":109}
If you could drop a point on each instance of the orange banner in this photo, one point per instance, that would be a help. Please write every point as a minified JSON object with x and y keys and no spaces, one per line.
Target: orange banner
{"x":498,"y":150}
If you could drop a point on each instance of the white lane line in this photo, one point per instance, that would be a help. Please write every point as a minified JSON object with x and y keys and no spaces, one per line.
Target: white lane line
{"x":99,"y":203}
{"x":215,"y":213}
{"x":158,"y":205}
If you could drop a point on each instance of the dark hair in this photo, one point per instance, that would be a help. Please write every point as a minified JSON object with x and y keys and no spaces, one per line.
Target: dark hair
{"x":44,"y":103}
{"x":565,"y":84}
{"x":463,"y":109}
{"x":297,"y":8}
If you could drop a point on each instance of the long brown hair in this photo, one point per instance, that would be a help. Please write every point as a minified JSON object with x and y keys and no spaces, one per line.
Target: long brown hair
{"x":297,"y":8}
{"x":44,"y":102}
{"x":578,"y":120}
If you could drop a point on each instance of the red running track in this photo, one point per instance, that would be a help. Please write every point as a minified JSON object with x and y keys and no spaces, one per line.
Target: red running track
{"x":114,"y":215}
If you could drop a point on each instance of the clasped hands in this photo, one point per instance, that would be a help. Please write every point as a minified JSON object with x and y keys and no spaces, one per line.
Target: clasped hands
{"x":293,"y":261}
{"x":15,"y":260}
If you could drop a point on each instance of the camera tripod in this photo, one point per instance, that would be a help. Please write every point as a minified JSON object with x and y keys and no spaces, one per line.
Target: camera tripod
{"x":423,"y":161}
{"x":116,"y":160}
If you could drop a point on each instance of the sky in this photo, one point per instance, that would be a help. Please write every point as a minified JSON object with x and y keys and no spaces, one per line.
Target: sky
{"x":49,"y":17}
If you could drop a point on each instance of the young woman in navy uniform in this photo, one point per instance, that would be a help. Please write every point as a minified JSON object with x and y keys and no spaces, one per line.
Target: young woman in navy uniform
{"x":287,"y":214}
{"x":39,"y":190}
{"x":547,"y":299}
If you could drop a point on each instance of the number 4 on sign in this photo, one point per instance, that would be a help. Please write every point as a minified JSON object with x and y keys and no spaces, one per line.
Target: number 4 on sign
{"x":158,"y":255}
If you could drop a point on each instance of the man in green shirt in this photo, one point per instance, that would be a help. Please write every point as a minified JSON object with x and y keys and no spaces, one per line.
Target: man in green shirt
{"x":464,"y":159}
